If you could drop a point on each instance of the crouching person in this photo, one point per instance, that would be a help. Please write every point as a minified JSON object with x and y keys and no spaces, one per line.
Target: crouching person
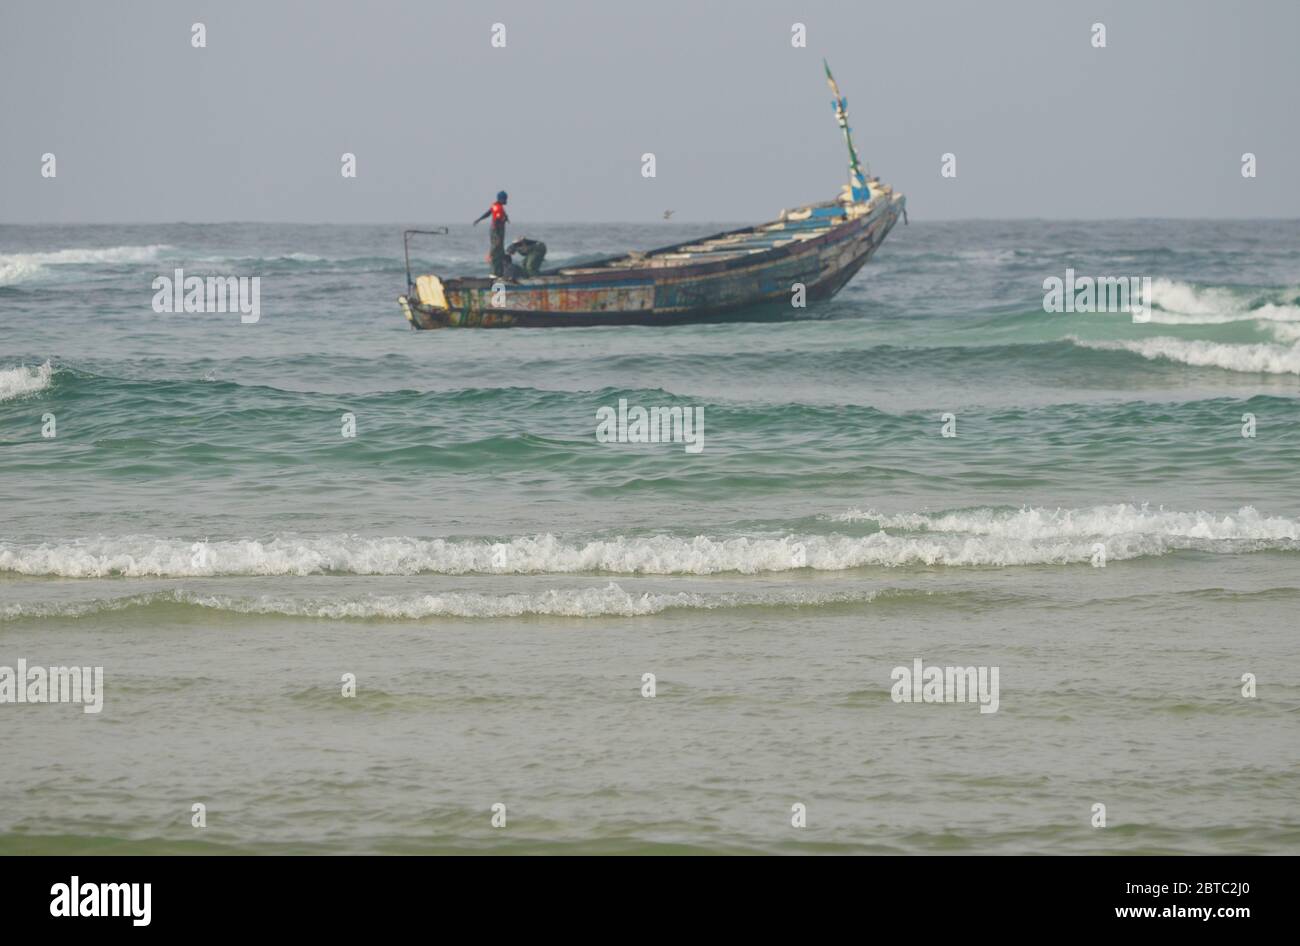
{"x":533,"y":253}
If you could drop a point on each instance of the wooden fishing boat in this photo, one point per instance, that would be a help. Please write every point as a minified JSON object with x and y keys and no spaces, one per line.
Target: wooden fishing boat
{"x":806,"y":254}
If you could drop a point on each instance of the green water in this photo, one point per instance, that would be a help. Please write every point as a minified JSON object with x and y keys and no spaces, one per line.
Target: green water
{"x":499,"y":582}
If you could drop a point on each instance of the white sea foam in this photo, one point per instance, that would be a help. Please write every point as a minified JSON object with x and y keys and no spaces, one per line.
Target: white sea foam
{"x":21,"y":267}
{"x":1001,"y":255}
{"x":1035,"y":524}
{"x":295,"y":257}
{"x":1257,"y":358}
{"x":1180,"y":303}
{"x":1285,"y":332}
{"x":611,"y":600}
{"x":23,"y":380}
{"x":971,"y":538}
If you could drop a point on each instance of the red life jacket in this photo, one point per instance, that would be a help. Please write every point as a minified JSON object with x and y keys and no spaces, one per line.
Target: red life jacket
{"x":498,"y":214}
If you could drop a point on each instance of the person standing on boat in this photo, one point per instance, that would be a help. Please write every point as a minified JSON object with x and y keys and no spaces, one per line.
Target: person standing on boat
{"x":498,"y":238}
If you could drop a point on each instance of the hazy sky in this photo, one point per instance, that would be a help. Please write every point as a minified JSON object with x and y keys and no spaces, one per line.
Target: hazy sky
{"x":147,"y":128}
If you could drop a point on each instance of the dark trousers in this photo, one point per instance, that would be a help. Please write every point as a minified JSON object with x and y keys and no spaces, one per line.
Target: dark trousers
{"x":498,"y":251}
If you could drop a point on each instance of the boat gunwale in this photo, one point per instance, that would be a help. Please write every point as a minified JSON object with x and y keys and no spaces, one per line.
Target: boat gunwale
{"x":752,"y":228}
{"x":607,"y":275}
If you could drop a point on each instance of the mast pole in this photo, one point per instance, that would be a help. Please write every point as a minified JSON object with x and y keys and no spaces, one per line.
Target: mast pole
{"x":857,"y":179}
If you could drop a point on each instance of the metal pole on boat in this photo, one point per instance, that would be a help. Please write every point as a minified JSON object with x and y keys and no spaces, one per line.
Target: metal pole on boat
{"x":406,"y":246}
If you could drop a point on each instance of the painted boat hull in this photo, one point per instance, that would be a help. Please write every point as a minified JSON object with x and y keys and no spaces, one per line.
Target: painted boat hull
{"x":676,"y":284}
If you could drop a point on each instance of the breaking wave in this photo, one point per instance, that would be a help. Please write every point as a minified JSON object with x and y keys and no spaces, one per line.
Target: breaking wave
{"x":23,"y":380}
{"x":610,"y":601}
{"x":1118,"y":519}
{"x":1258,"y":358}
{"x":1180,"y":303}
{"x":22,"y":267}
{"x":982,"y":537}
{"x":1272,"y":312}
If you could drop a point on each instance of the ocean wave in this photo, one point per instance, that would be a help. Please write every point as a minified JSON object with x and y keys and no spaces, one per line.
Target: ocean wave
{"x":1181,"y":303}
{"x":609,"y":601}
{"x":1286,"y":333}
{"x":23,"y":267}
{"x":24,"y":380}
{"x":957,"y":539}
{"x":1033,"y":524}
{"x":1274,"y":311}
{"x":298,"y":262}
{"x":1256,"y":358}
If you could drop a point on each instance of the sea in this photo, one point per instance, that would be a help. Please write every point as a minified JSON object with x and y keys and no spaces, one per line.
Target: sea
{"x":356,"y":588}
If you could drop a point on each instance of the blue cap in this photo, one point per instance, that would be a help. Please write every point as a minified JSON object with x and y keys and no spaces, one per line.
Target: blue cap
{"x":501,"y":196}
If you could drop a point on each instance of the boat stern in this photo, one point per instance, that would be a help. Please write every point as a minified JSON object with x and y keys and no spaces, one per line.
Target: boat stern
{"x":425,"y":304}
